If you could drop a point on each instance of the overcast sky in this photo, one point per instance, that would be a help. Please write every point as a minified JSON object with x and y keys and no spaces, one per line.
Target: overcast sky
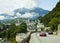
{"x":10,"y":5}
{"x":7,"y":6}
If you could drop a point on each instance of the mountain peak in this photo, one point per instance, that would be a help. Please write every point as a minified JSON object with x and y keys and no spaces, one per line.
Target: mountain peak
{"x":26,"y":13}
{"x":38,"y":11}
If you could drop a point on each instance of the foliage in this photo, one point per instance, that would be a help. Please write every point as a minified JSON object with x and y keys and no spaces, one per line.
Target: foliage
{"x":10,"y":32}
{"x":23,"y":28}
{"x":13,"y":40}
{"x":47,"y":30}
{"x":55,"y":13}
{"x":13,"y":29}
{"x":54,"y":24}
{"x":52,"y":19}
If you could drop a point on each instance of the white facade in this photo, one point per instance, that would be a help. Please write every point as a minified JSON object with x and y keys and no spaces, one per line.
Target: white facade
{"x":20,"y":37}
{"x":40,"y":26}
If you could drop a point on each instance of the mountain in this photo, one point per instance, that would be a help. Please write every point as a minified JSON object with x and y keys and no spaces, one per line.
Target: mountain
{"x":33,"y":13}
{"x":55,"y":13}
{"x":38,"y":10}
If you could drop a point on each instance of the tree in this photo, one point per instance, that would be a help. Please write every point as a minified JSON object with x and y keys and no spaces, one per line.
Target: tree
{"x":12,"y":29}
{"x":23,"y":27}
{"x":55,"y":13}
{"x":10,"y":32}
{"x":54,"y":24}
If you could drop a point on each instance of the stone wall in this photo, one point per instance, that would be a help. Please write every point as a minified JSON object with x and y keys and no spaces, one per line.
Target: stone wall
{"x":59,"y":29}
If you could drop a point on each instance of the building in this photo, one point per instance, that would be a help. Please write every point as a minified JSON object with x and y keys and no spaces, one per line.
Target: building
{"x":31,"y":25}
{"x":40,"y":26}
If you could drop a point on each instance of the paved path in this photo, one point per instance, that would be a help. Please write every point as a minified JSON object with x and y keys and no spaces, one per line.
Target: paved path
{"x":34,"y":38}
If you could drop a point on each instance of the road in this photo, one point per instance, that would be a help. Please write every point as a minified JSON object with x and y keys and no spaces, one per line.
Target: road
{"x":35,"y":38}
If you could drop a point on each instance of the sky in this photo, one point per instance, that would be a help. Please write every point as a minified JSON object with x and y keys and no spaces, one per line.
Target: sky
{"x":47,"y":4}
{"x":8,"y":6}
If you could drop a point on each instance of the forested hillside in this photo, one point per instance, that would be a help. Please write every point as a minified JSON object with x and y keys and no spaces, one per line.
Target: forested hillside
{"x":55,"y":13}
{"x":52,"y":19}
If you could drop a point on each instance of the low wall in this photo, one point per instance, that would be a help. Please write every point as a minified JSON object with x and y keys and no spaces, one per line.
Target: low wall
{"x":23,"y":38}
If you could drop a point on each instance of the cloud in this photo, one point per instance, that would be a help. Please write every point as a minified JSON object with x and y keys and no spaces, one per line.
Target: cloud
{"x":10,"y":5}
{"x":28,"y":15}
{"x":26,"y":3}
{"x":6,"y":17}
{"x":18,"y":15}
